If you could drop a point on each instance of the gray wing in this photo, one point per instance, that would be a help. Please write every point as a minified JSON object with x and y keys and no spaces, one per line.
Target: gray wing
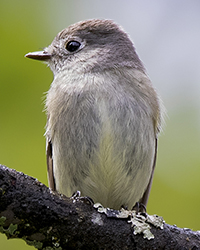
{"x":145,"y":196}
{"x":51,"y":179}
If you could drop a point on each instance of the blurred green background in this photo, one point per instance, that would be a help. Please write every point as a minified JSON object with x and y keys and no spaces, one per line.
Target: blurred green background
{"x":167,"y":37}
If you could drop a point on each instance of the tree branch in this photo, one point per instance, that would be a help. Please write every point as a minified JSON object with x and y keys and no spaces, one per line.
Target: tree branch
{"x":29,"y":210}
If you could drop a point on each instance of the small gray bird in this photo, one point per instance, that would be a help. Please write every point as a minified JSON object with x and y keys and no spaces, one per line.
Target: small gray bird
{"x":103,"y":115}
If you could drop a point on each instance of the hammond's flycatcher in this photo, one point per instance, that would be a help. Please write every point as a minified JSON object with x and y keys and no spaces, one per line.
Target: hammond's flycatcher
{"x":103,"y":115}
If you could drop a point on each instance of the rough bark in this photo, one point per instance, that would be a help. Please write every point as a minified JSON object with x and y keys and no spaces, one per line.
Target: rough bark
{"x":46,"y":220}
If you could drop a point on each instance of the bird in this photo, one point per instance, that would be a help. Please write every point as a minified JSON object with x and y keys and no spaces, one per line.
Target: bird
{"x":103,"y":115}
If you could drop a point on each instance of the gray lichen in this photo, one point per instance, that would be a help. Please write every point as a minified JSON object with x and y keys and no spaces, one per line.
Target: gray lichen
{"x":141,"y":222}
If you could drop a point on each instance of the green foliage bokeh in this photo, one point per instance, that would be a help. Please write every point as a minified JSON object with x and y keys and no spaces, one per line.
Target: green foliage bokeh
{"x":28,"y":26}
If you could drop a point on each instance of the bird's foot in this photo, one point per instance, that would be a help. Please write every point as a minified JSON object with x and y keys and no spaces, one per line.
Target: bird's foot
{"x":140,"y":208}
{"x":77,"y":197}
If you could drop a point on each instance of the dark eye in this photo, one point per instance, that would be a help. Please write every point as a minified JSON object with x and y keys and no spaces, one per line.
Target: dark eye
{"x":72,"y":46}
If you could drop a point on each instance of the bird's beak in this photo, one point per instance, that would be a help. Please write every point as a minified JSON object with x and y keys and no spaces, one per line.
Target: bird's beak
{"x":39,"y":55}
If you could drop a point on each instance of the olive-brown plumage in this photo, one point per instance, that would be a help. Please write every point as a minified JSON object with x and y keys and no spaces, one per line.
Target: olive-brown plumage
{"x":103,"y":113}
